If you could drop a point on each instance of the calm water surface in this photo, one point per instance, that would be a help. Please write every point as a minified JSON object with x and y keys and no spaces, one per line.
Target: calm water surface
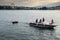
{"x":23,"y":31}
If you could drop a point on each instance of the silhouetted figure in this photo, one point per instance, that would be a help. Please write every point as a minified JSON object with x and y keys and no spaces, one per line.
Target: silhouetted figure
{"x":36,"y":20}
{"x":52,"y":21}
{"x":40,"y":21}
{"x":43,"y":20}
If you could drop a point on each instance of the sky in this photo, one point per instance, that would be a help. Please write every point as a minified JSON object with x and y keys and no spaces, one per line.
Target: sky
{"x":30,"y":3}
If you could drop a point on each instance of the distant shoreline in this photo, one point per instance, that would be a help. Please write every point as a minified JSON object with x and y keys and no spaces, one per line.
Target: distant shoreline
{"x":28,"y":8}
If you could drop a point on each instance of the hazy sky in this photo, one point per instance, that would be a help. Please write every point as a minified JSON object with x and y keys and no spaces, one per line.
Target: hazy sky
{"x":27,"y":2}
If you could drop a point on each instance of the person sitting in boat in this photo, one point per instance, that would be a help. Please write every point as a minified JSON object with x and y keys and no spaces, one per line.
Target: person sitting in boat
{"x":40,"y":21}
{"x":52,"y":21}
{"x":36,"y":20}
{"x":43,"y":20}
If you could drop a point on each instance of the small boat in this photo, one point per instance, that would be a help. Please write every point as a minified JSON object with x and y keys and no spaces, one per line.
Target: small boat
{"x":40,"y":25}
{"x":14,"y":22}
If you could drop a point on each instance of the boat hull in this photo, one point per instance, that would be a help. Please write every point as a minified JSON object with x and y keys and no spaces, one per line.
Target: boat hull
{"x":44,"y":26}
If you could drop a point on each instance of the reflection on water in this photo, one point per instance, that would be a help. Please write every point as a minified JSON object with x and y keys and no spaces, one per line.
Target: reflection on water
{"x":22,"y":31}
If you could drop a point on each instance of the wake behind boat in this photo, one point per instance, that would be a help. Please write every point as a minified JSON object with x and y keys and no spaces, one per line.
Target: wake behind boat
{"x":42,"y":24}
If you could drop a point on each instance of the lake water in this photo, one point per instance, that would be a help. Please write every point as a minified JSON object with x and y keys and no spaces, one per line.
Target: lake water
{"x":22,"y":31}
